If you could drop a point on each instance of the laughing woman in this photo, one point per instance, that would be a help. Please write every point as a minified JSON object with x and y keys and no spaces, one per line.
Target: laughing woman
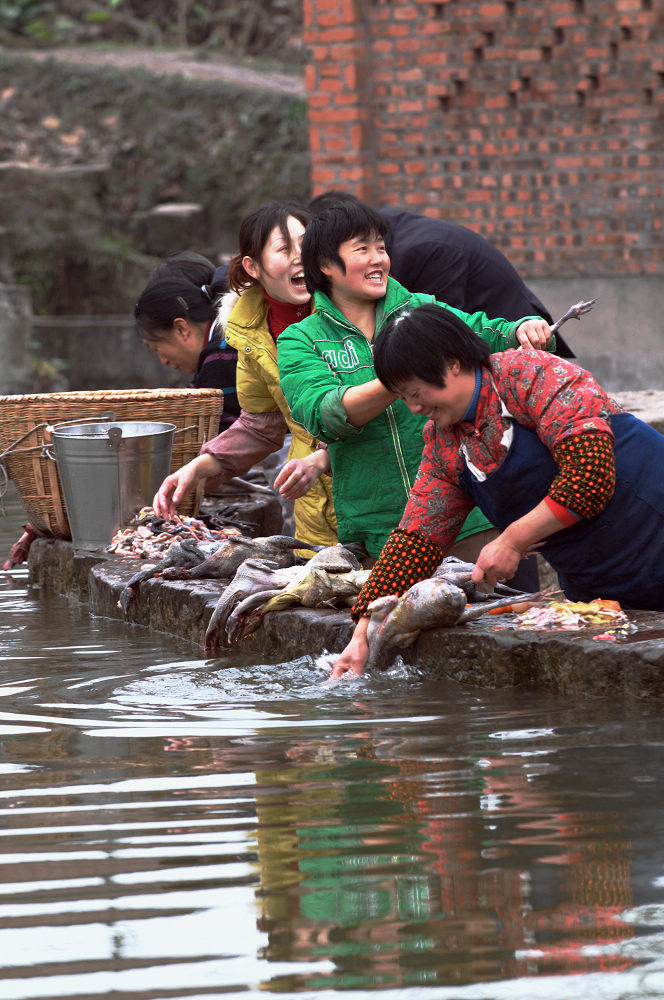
{"x":267,"y":275}
{"x":542,"y":450}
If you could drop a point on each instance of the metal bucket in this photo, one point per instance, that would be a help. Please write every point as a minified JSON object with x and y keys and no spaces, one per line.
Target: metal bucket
{"x":108,"y":471}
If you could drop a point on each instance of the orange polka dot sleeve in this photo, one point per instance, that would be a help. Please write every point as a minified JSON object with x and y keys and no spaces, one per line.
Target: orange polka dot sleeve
{"x":587,"y":473}
{"x":405,"y":559}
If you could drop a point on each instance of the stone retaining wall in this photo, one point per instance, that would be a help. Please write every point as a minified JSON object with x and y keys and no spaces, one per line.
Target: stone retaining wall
{"x":568,"y":663}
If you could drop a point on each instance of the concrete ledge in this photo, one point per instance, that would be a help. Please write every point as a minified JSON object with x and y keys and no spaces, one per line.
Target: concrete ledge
{"x":568,"y":663}
{"x":480,"y":654}
{"x":647,"y":405}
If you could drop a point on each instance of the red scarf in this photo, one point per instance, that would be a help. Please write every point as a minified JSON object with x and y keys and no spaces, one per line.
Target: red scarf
{"x":282,"y":314}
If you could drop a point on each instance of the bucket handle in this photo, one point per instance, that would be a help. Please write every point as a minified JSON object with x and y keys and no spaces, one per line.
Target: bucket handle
{"x":46,"y":449}
{"x":104,"y":418}
{"x":114,"y":437}
{"x":14,"y":446}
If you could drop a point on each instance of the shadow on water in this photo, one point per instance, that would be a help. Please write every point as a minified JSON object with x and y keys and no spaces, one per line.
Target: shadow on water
{"x":176,"y":827}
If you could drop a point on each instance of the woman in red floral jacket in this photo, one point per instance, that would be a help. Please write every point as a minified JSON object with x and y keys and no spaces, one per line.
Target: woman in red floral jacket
{"x":540,"y":447}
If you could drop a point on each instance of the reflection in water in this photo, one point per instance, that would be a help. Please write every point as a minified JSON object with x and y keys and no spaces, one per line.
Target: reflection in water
{"x":175,"y":827}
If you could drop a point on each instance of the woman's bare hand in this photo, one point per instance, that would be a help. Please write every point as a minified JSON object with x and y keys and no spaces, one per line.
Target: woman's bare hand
{"x":355,"y":655}
{"x":534,"y":334}
{"x":179,"y":484}
{"x":298,"y":476}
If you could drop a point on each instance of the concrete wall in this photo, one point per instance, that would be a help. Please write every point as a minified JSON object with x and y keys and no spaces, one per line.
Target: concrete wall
{"x":101,"y":352}
{"x":15,"y":320}
{"x":15,"y":315}
{"x":621,"y":341}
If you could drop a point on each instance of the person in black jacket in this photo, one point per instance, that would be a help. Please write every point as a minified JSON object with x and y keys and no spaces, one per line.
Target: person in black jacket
{"x":176,"y":317}
{"x":454,"y":263}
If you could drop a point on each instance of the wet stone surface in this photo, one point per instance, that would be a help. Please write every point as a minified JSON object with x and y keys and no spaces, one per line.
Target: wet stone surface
{"x":483,"y":653}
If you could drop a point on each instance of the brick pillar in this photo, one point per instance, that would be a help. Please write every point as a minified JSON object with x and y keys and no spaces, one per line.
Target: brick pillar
{"x":340,"y":103}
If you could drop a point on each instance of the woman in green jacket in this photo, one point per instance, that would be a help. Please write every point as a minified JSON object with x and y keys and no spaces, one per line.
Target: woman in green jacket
{"x":328,"y":379}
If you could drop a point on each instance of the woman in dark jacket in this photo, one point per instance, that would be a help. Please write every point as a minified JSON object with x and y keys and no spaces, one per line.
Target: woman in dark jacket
{"x":176,"y":316}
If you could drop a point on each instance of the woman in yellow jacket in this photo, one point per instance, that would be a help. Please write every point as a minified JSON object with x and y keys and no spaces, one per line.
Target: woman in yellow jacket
{"x":267,"y":274}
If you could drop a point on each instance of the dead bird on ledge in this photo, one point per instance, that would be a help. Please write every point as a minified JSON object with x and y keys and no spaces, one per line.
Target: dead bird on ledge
{"x":331,"y":577}
{"x":234,"y":549}
{"x":447,"y":598}
{"x":189,"y":559}
{"x":254,"y":576}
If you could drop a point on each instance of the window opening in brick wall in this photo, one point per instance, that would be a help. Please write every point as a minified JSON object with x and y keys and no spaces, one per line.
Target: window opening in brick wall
{"x":547,"y":52}
{"x":439,"y":11}
{"x":626,"y":32}
{"x":558,"y":36}
{"x":648,"y":95}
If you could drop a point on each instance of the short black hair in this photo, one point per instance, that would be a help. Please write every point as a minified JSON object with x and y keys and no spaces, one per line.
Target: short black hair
{"x":328,"y":199}
{"x":327,"y":231}
{"x":423,"y":343}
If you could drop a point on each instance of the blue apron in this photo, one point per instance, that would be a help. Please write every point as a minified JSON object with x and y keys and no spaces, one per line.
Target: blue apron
{"x":619,"y":554}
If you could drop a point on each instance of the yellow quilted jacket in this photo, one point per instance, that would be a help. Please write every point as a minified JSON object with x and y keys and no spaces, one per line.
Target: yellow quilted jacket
{"x":258,"y":392}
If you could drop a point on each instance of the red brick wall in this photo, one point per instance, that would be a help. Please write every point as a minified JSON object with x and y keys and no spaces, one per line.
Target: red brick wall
{"x":539,"y":123}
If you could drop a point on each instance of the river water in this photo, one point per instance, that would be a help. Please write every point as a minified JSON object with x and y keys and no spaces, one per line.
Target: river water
{"x":176,"y":827}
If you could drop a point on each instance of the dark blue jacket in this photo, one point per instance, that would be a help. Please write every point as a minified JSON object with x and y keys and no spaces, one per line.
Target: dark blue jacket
{"x":459,"y":267}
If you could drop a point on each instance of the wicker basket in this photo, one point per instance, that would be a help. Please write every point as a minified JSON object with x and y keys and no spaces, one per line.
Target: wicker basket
{"x":195,"y":413}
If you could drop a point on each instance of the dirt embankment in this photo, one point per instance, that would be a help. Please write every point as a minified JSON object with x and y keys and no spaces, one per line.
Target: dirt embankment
{"x":92,"y":140}
{"x":178,"y":62}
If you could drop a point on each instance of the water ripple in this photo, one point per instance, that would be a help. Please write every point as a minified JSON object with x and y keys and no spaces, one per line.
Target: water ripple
{"x":172,"y":826}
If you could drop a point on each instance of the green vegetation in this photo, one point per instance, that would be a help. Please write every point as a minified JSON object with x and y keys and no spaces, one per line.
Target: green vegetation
{"x":85,"y":151}
{"x":233,"y":27}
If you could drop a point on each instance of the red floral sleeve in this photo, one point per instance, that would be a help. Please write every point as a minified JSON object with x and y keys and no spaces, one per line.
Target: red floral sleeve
{"x":555,"y":396}
{"x":437,"y":506}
